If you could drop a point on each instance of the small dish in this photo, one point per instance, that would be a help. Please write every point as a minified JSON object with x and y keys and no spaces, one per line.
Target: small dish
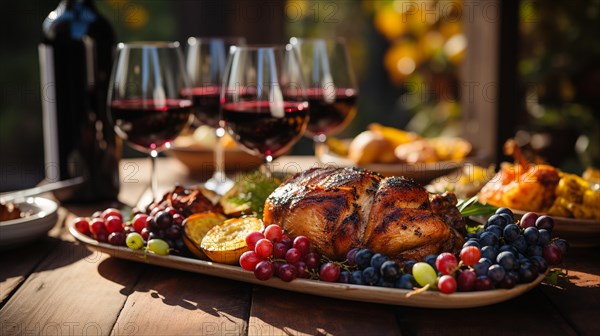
{"x":420,"y":172}
{"x":42,"y":217}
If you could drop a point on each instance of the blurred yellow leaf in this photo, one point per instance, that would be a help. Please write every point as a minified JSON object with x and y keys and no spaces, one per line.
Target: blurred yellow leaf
{"x":389,"y":23}
{"x":430,"y":43}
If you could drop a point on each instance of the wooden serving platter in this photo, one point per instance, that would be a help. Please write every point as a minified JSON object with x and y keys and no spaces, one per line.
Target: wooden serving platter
{"x":391,"y":296}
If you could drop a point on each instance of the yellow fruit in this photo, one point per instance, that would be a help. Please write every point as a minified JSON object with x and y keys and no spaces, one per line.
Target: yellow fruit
{"x":226,"y":242}
{"x":195,"y":228}
{"x":396,"y":136}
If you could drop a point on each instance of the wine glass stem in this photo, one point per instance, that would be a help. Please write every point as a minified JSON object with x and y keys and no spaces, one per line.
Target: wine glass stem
{"x":319,"y":142}
{"x":219,"y":173}
{"x":267,"y":166}
{"x":154,"y":176}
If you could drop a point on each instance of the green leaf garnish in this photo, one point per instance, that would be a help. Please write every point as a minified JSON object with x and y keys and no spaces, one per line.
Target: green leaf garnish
{"x":253,"y":189}
{"x":472,"y":207}
{"x":554,"y":276}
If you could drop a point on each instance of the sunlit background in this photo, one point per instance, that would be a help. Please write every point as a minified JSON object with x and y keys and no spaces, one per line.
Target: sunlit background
{"x":408,"y":57}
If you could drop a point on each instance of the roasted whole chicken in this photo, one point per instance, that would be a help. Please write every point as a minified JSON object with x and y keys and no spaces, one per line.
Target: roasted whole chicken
{"x":342,"y":208}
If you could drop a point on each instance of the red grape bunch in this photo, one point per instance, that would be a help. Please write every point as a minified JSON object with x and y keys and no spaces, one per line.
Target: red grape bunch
{"x":275,"y":254}
{"x":159,"y":232}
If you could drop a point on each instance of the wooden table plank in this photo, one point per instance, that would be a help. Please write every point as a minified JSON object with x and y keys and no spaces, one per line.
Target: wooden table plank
{"x":278,"y":312}
{"x":73,"y":291}
{"x":17,"y":263}
{"x":172,"y":302}
{"x":578,"y":299}
{"x":529,"y":314}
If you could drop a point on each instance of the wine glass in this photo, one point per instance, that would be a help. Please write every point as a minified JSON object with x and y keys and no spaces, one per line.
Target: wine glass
{"x":206,"y":58}
{"x":331,"y":91}
{"x":147,"y":97}
{"x":264,"y":104}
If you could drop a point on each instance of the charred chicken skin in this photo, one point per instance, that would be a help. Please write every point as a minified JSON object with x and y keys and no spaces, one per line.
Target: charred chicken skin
{"x":341,"y":208}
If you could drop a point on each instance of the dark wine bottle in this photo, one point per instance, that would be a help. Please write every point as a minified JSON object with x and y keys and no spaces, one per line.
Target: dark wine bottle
{"x":76,"y":55}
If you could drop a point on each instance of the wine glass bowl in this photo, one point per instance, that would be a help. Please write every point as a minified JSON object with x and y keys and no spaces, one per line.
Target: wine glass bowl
{"x":148,"y":103}
{"x":206,"y":58}
{"x":332,"y":90}
{"x":264,"y":104}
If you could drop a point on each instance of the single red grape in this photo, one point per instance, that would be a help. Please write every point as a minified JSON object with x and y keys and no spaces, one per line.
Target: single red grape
{"x":264,"y":270}
{"x":111,"y":212}
{"x":264,"y":248}
{"x":302,"y":243}
{"x":303,"y":271}
{"x":116,"y":238}
{"x":113,"y":224}
{"x":82,"y":226}
{"x":163,"y":219}
{"x":287,"y":272}
{"x":293,"y":255}
{"x":139,"y":222}
{"x":552,"y":254}
{"x":273,"y":233}
{"x":483,"y":283}
{"x":248,"y":260}
{"x":287,"y":241}
{"x":528,"y":220}
{"x":446,"y":263}
{"x":312,"y":260}
{"x":252,"y":238}
{"x":545,"y":222}
{"x":466,"y":280}
{"x":470,"y":255}
{"x":350,"y":256}
{"x":329,"y":272}
{"x":447,"y":284}
{"x":97,"y":226}
{"x":279,"y":250}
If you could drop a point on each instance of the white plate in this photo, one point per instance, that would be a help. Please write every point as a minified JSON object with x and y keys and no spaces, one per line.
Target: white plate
{"x":21,"y":230}
{"x":392,"y":296}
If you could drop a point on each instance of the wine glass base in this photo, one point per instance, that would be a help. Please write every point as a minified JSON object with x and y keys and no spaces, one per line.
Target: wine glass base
{"x":219,"y":185}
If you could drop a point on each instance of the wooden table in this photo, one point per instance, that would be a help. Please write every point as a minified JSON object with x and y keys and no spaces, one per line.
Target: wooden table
{"x":56,"y":286}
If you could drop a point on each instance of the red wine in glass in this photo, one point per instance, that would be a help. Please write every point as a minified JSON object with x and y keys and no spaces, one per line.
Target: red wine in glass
{"x":253,"y":125}
{"x":147,"y":125}
{"x":206,"y":105}
{"x":330,"y":112}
